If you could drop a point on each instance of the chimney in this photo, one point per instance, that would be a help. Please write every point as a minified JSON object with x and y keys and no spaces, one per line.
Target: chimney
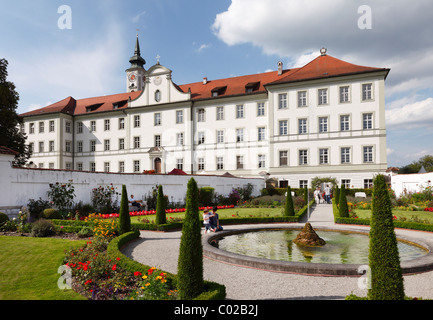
{"x":204,"y":80}
{"x":280,"y":68}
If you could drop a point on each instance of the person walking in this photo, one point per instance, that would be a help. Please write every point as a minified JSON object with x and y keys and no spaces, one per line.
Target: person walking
{"x":328,"y":194}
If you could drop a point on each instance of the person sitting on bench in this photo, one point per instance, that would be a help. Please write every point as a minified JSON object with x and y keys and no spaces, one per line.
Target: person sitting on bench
{"x":134,"y":202}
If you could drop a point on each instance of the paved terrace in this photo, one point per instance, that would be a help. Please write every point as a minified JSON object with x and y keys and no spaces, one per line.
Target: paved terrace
{"x":161,"y":249}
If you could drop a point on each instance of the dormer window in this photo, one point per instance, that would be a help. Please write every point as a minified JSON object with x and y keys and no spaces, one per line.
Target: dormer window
{"x":218,"y":91}
{"x":93,"y":107}
{"x":252,"y":86}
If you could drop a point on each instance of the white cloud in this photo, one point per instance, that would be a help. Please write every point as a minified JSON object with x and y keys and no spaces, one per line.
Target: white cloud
{"x":136,"y":18}
{"x":203,"y":47}
{"x":413,"y":115}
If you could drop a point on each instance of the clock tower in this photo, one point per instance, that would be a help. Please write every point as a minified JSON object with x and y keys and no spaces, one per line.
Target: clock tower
{"x":135,"y":75}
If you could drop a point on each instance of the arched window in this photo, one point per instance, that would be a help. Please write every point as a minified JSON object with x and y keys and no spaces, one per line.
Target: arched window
{"x":157,"y":96}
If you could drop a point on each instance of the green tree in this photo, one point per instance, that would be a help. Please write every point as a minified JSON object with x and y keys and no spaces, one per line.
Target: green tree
{"x":124,"y":218}
{"x":337,"y":195}
{"x":415,"y":167}
{"x":306,"y":194}
{"x":384,"y":259}
{"x":342,"y":205}
{"x":289,"y":209}
{"x":10,"y":135}
{"x":190,"y":262}
{"x":160,"y":207}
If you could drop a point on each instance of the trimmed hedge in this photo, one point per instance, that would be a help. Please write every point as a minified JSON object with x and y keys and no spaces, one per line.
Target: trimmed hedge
{"x":212,"y":290}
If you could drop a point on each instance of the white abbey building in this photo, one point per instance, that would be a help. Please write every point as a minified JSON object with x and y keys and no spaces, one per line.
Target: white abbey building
{"x":325,"y":119}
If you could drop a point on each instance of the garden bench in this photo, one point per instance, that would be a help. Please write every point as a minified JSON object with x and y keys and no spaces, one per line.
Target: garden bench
{"x":143,"y":206}
{"x":360,"y":195}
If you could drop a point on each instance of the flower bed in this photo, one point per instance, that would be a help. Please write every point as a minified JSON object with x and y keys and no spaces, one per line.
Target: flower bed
{"x":428,"y":209}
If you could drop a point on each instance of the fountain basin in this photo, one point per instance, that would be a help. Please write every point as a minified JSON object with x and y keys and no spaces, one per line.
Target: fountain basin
{"x":419,"y":263}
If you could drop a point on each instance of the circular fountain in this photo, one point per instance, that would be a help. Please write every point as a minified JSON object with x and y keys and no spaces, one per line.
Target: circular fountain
{"x":321,"y":251}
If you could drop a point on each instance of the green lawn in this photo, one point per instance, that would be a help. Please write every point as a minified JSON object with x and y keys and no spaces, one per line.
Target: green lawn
{"x":226,"y":213}
{"x":421,"y":215}
{"x":28,"y":268}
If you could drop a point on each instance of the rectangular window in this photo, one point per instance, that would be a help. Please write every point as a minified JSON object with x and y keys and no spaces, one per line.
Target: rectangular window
{"x":345,"y":183}
{"x":157,"y":119}
{"x":179,"y":116}
{"x":31,"y":127}
{"x":41,"y":146}
{"x":200,"y":137}
{"x":51,"y":126}
{"x":302,"y":126}
{"x":68,"y":146}
{"x":261,"y":134}
{"x":368,"y":154}
{"x":283,"y":128}
{"x":179,"y":164}
{"x":92,"y":166}
{"x":136,"y":142}
{"x":51,"y":146}
{"x":220,"y":113}
{"x":239,"y":111}
{"x":121,"y":166}
{"x":283,"y":158}
{"x":323,"y":124}
{"x":239,"y":135}
{"x":282,"y":101}
{"x":107,"y":145}
{"x":92,"y":145}
{"x":367,"y":92}
{"x":136,"y":165}
{"x":107,"y":125}
{"x":201,"y":116}
{"x":79,"y":166}
{"x":41,"y":127}
{"x":261,"y":161}
{"x":106,"y":166}
{"x":303,"y":157}
{"x":323,"y":156}
{"x":136,"y":121}
{"x":345,"y":155}
{"x":220,"y":163}
{"x":201,"y":164}
{"x":344,"y":94}
{"x":367,"y":121}
{"x":260,"y":109}
{"x":121,"y":123}
{"x":121,"y":144}
{"x":220,"y":136}
{"x":368,"y":183}
{"x":303,"y":184}
{"x":344,"y":123}
{"x":93,"y":126}
{"x":79,"y":127}
{"x":79,"y":146}
{"x":179,"y":139}
{"x":157,"y":140}
{"x":323,"y":96}
{"x":239,"y":162}
{"x":302,"y":99}
{"x":68,"y":127}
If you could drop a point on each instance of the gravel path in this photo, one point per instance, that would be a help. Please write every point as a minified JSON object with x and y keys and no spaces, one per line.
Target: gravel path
{"x":161,"y":249}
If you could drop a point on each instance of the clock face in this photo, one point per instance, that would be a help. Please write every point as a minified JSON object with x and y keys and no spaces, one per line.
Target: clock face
{"x":132,"y":77}
{"x":157,"y":81}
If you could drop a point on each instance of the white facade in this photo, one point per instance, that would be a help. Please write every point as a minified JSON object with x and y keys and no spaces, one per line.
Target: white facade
{"x":293,"y":128}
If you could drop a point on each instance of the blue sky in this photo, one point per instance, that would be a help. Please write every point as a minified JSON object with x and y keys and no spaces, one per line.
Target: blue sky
{"x":223,"y":38}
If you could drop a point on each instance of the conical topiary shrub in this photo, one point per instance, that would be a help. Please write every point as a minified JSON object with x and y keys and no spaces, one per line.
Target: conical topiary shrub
{"x":190,"y":262}
{"x":306,"y":195}
{"x":337,"y":196}
{"x":160,"y":207}
{"x":343,"y":208}
{"x":384,"y":259}
{"x":124,"y":218}
{"x":289,"y":209}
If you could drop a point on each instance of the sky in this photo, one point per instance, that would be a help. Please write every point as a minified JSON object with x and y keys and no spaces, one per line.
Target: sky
{"x":83,"y":51}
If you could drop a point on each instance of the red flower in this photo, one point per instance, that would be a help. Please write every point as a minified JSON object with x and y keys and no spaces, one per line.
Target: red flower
{"x":137,"y":273}
{"x":114,"y":267}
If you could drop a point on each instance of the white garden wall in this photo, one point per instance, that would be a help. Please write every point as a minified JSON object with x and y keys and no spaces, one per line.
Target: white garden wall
{"x":18,"y":185}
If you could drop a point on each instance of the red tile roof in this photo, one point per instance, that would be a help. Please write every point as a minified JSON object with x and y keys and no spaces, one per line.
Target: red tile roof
{"x":325,"y":67}
{"x":320,"y":68}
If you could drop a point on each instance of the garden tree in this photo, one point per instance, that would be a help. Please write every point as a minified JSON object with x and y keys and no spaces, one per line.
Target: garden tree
{"x":289,"y":209}
{"x":415,"y":167}
{"x":124,"y":218}
{"x":305,"y":194}
{"x":337,"y":195}
{"x":343,"y":208}
{"x":384,"y":259}
{"x":10,"y":135}
{"x":160,"y":207}
{"x":190,"y":262}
